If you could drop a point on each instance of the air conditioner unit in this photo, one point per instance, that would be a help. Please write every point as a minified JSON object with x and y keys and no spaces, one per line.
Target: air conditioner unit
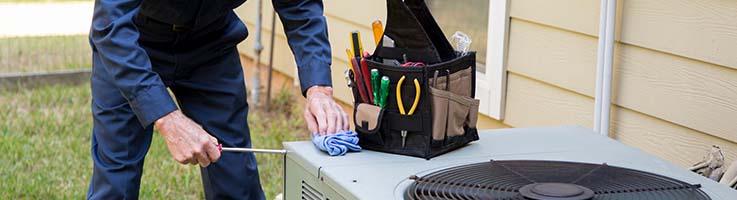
{"x":519,"y":163}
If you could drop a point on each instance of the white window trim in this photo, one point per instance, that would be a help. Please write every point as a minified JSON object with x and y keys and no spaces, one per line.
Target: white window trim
{"x":491,"y":85}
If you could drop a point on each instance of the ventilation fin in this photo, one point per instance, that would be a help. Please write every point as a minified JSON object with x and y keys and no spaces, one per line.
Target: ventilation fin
{"x":309,"y":192}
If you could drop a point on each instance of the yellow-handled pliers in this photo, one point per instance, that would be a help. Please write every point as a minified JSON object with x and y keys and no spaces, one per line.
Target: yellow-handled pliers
{"x":399,"y":97}
{"x":401,"y":105}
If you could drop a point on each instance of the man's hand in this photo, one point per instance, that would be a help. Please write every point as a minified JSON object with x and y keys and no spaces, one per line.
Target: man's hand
{"x":322,"y":114}
{"x":188,"y":143}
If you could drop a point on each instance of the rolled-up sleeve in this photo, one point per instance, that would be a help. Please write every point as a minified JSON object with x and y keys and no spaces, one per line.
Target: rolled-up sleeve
{"x":307,"y":34}
{"x":114,"y":37}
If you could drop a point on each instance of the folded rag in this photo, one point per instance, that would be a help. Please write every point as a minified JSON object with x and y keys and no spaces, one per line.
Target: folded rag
{"x":337,"y":144}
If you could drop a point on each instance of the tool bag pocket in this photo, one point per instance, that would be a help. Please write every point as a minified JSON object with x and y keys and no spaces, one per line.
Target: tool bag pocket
{"x":451,"y":87}
{"x":452,"y":114}
{"x":367,"y":119}
{"x":445,"y":115}
{"x":453,"y":107}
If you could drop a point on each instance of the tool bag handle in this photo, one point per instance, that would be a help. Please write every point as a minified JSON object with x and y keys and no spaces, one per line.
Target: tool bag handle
{"x":415,"y":32}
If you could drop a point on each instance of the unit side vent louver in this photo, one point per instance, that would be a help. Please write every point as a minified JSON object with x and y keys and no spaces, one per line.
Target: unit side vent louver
{"x":309,"y":192}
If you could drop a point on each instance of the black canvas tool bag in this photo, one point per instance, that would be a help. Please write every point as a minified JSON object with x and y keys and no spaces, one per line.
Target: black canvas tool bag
{"x":446,"y":114}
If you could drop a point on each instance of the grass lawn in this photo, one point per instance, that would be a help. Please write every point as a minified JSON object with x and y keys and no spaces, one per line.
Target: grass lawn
{"x":46,"y":140}
{"x":44,"y":53}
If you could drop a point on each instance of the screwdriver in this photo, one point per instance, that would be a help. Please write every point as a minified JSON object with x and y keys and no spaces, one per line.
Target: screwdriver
{"x":377,"y":29}
{"x":248,"y":150}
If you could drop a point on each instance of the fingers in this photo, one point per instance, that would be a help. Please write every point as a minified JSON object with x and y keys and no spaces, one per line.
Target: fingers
{"x":346,"y":122}
{"x":311,"y":122}
{"x":213,"y":153}
{"x":321,"y":118}
{"x":322,"y":114}
{"x":201,"y":150}
{"x":187,"y":161}
{"x":213,"y":140}
{"x":332,"y":118}
{"x":341,"y":118}
{"x":202,"y":158}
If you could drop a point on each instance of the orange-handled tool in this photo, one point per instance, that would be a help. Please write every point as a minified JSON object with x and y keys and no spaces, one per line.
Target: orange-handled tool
{"x":378,"y":29}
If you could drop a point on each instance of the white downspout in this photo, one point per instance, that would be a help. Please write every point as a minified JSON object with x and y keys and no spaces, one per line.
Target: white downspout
{"x":602,"y":105}
{"x":600,"y":66}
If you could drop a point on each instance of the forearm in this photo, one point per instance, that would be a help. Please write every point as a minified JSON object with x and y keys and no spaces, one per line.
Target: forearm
{"x":306,"y":30}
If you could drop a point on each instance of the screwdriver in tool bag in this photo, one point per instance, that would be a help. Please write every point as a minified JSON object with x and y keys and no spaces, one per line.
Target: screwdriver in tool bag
{"x":384,"y":91}
{"x":376,"y":85}
{"x":378,"y":32}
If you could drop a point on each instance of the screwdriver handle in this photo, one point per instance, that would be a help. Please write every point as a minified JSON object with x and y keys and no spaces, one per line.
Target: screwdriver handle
{"x":377,"y":28}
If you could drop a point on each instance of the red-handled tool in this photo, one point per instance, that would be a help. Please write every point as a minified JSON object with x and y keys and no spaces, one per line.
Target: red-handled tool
{"x":360,"y":81}
{"x":367,"y":80}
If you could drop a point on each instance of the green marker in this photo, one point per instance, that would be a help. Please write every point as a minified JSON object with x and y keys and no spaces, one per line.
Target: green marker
{"x":375,"y":83}
{"x":384,"y":91}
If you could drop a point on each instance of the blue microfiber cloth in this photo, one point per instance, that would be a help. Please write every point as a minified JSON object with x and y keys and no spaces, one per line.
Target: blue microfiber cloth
{"x":337,"y":144}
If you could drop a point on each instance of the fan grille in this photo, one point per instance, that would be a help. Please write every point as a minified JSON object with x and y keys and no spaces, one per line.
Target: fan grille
{"x":505,"y":180}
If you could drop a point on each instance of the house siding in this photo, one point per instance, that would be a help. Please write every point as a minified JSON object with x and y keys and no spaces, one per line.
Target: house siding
{"x":675,"y":83}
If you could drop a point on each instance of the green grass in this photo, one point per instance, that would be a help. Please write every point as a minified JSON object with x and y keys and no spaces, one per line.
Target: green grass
{"x":45,"y":141}
{"x":44,"y":53}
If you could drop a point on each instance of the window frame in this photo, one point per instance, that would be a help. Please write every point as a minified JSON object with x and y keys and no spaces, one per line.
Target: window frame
{"x":491,"y":85}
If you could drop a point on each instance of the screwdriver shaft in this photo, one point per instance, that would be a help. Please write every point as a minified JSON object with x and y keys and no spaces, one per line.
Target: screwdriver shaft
{"x":269,"y":151}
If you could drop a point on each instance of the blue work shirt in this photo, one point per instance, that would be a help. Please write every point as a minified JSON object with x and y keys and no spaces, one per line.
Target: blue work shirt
{"x":114,"y":36}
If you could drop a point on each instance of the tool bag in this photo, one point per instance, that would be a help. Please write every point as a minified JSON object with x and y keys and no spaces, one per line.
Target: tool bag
{"x":446,"y":114}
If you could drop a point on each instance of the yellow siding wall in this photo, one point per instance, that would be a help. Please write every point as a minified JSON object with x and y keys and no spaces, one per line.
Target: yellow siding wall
{"x":675,"y":76}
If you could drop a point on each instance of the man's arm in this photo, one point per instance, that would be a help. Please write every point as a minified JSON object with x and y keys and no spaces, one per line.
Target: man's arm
{"x":114,"y":37}
{"x":306,"y":30}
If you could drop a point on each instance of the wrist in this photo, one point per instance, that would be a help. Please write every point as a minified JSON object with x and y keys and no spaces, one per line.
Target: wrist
{"x":320,"y":90}
{"x":166,"y":119}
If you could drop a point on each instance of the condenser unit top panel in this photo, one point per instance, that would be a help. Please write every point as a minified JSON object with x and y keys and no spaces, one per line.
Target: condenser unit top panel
{"x":376,"y":175}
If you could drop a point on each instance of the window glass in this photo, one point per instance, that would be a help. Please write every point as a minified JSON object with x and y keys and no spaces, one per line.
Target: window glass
{"x":468,"y":16}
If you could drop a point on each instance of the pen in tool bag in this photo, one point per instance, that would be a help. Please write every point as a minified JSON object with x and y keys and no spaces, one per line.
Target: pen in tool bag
{"x":401,"y":105}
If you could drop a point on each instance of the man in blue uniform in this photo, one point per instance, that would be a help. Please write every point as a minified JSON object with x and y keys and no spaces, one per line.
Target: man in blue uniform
{"x":142,"y":47}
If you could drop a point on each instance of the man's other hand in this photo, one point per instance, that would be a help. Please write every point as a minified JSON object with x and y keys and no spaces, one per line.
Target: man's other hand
{"x":188,"y":143}
{"x":322,"y":114}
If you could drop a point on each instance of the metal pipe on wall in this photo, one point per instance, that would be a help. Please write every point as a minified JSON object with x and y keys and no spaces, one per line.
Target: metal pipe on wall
{"x":600,"y":65}
{"x":604,"y":70}
{"x":258,"y":47}
{"x":271,"y":60}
